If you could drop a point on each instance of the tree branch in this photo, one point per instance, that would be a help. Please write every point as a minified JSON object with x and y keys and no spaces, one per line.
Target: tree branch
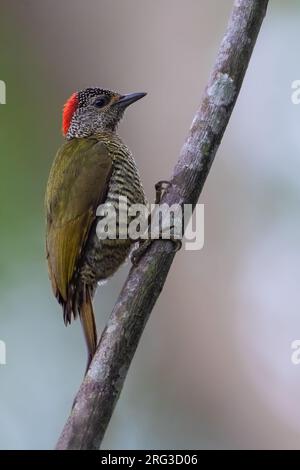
{"x":99,"y":392}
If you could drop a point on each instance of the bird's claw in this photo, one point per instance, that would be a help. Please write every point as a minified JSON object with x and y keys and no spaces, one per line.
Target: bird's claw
{"x":139,"y":252}
{"x":177,"y":244}
{"x":160,"y":188}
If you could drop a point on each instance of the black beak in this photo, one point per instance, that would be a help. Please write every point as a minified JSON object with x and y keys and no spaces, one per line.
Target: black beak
{"x":126,"y":100}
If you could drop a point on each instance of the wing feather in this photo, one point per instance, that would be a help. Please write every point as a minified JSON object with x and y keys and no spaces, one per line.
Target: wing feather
{"x":77,"y":184}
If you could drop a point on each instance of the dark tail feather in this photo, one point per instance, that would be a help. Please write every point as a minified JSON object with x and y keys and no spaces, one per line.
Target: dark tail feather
{"x":87,"y":318}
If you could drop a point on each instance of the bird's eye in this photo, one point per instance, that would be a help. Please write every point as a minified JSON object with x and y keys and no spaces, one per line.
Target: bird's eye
{"x":101,"y":101}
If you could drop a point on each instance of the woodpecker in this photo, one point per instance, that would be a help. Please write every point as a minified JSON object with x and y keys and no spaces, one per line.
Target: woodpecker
{"x":92,"y":167}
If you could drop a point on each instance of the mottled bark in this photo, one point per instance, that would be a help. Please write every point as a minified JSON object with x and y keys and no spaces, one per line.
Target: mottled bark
{"x":99,"y":392}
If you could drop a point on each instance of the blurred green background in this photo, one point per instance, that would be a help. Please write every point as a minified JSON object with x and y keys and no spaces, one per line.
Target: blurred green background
{"x":213,"y":369}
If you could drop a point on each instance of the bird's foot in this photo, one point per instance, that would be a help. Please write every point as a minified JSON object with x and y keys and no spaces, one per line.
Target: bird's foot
{"x":144,"y":246}
{"x":160,"y":188}
{"x":139,"y":252}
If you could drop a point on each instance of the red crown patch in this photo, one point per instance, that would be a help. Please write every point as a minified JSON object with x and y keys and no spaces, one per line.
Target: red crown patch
{"x":68,"y":111}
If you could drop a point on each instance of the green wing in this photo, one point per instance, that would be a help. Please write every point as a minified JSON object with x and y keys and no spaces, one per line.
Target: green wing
{"x":77,"y":184}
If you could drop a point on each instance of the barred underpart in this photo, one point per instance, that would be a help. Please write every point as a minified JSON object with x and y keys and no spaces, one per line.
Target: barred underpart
{"x":103,"y":257}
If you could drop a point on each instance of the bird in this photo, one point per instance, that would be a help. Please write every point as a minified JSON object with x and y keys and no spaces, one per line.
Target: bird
{"x":92,"y":167}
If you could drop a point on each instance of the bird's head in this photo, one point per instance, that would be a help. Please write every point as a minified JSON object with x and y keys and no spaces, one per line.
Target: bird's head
{"x":94,"y":110}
